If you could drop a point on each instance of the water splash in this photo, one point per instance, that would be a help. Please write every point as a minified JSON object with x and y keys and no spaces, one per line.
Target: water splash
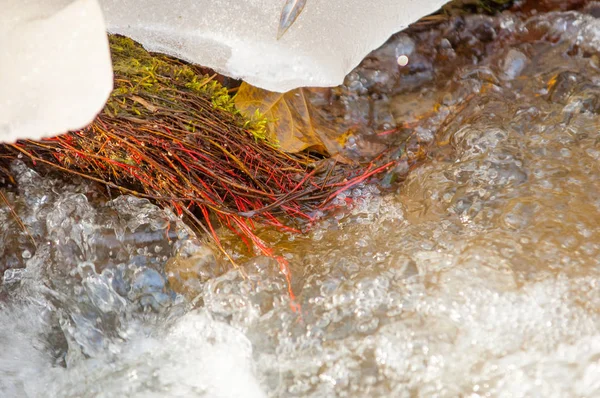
{"x":477,"y":276}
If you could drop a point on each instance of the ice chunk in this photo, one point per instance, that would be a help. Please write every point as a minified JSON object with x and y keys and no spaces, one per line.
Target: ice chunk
{"x":239,"y":38}
{"x":55,"y":69}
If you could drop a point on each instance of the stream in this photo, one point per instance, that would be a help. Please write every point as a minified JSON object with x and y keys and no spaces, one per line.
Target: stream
{"x":475,"y":273}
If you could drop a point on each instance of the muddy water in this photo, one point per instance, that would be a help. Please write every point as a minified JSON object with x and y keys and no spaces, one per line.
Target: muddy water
{"x":478,"y":275}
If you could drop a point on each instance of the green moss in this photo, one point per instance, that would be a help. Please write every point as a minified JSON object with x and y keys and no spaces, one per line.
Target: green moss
{"x":162,"y":77}
{"x":476,"y":6}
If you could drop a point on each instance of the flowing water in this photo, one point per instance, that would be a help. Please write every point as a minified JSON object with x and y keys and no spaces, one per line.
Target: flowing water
{"x":478,"y":275}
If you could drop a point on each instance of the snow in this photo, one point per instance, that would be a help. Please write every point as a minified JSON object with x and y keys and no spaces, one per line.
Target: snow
{"x":55,"y":69}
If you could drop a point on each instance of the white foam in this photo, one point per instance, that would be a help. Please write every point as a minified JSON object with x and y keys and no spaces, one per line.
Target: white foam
{"x":197,"y":356}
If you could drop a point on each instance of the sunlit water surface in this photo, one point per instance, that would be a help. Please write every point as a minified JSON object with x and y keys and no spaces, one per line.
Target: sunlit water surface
{"x":477,"y":276}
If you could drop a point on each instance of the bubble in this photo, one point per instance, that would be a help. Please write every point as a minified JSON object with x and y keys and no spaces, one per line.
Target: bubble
{"x":402,"y":60}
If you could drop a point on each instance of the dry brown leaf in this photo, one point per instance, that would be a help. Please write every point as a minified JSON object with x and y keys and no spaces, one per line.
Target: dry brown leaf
{"x":295,"y":123}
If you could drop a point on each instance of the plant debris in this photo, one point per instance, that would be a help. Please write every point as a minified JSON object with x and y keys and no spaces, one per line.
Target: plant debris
{"x":176,"y":137}
{"x":294,"y":123}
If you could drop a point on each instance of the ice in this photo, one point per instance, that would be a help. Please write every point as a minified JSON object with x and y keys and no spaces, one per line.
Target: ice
{"x":56,"y":72}
{"x":239,"y":38}
{"x":55,"y":69}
